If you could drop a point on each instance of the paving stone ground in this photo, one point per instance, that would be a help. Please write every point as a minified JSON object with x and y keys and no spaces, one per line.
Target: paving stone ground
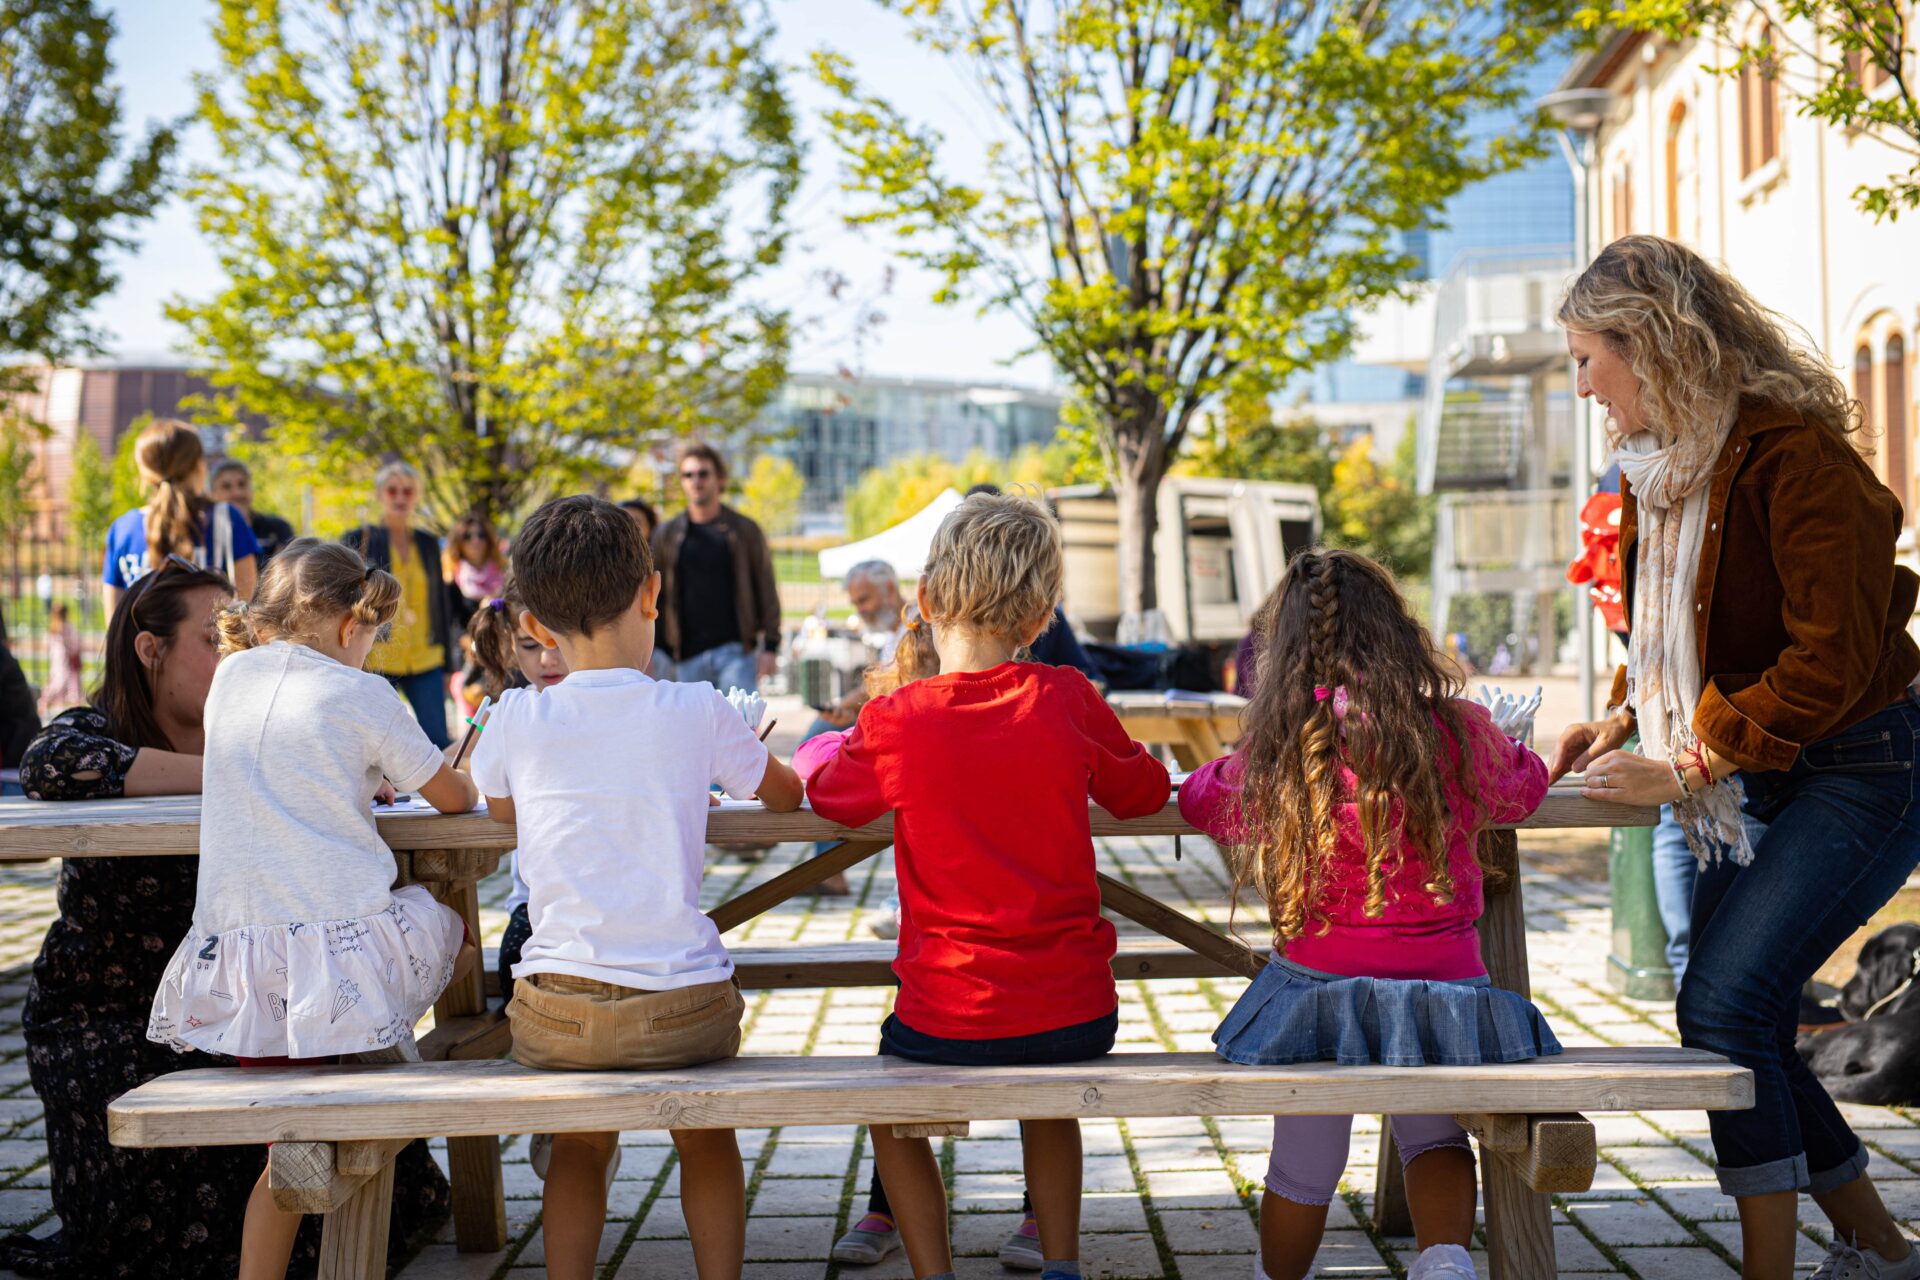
{"x":1166,"y":1198}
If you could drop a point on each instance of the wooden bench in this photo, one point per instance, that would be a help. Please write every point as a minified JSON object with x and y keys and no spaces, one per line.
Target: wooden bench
{"x":1197,"y":728}
{"x":336,"y":1129}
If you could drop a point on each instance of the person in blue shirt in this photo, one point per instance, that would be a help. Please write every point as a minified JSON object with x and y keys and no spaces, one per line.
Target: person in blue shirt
{"x":178,"y":518}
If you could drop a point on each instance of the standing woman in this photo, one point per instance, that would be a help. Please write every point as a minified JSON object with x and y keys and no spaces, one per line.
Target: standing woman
{"x":1768,"y":664}
{"x":474,"y":566}
{"x":417,"y":655}
{"x":178,"y":518}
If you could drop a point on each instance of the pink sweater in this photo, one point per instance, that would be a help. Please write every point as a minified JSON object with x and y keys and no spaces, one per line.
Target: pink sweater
{"x":1415,"y":937}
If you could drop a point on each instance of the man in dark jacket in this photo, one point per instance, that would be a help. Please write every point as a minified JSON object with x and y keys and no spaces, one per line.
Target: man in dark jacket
{"x":230,"y":482}
{"x":719,"y":607}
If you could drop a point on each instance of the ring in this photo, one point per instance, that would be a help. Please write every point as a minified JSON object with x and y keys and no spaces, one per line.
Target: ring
{"x":1600,"y":781}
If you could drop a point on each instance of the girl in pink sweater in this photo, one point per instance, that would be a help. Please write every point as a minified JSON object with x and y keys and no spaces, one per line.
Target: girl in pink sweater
{"x":1354,"y":801}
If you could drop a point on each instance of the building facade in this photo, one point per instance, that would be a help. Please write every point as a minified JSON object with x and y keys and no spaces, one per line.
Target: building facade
{"x":1729,"y":166}
{"x":835,"y":428}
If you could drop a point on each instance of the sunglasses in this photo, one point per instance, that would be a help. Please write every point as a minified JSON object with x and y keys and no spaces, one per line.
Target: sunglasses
{"x":175,"y":560}
{"x":701,"y":474}
{"x":399,"y":493}
{"x":473,"y":535}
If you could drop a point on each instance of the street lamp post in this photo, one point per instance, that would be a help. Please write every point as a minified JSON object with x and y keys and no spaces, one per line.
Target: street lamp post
{"x":1580,"y":113}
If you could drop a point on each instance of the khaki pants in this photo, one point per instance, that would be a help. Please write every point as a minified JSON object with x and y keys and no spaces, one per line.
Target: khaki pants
{"x":564,"y":1023}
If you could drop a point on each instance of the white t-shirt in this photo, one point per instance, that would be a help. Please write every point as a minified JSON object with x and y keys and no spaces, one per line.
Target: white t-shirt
{"x":296,"y":746}
{"x":608,"y":772}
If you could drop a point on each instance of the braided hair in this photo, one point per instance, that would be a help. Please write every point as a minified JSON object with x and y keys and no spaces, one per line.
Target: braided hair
{"x":1353,"y":705}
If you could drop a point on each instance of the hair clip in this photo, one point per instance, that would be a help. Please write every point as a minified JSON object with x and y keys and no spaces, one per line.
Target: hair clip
{"x":371,"y":570}
{"x":1340,"y":700}
{"x":498,"y":604}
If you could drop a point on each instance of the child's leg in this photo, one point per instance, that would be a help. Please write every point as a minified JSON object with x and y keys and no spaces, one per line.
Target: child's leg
{"x":1309,"y":1155}
{"x":713,"y":1198}
{"x":1051,"y":1149}
{"x":912,"y":1178}
{"x":266,"y":1237}
{"x":1440,"y":1182}
{"x":574,"y":1209}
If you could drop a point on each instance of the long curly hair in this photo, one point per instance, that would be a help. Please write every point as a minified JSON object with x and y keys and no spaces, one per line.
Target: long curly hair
{"x":1337,"y":621}
{"x":1698,"y":342}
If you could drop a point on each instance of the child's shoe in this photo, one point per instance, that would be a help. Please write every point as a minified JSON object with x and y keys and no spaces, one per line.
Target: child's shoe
{"x":886,"y":922}
{"x":1022,"y":1249}
{"x":1851,"y":1262}
{"x":867,"y":1241}
{"x":1443,"y":1262}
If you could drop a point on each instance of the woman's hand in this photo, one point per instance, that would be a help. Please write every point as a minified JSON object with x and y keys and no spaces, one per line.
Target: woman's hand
{"x":1626,"y":777}
{"x":1580,"y":743}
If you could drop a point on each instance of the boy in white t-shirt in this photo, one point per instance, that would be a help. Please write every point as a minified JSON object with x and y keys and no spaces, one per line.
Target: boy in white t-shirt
{"x":607,"y":774}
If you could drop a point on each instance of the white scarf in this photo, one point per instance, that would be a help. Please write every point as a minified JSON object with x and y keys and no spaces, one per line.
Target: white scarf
{"x":1664,"y":682}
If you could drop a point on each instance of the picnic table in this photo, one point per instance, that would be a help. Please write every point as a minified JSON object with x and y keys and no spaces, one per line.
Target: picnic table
{"x":451,"y":853}
{"x":1198,"y":727}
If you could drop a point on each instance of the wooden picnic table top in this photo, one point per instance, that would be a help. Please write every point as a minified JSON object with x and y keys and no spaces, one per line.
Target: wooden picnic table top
{"x":170,"y":825}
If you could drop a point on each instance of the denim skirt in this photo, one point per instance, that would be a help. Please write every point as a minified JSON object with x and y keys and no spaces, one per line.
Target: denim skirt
{"x":1295,"y":1014}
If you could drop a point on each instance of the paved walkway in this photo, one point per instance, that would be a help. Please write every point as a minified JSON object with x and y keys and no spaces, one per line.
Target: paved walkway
{"x":1171,"y":1198}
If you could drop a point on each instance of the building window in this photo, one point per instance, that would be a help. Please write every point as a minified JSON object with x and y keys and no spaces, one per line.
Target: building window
{"x":1676,"y":124}
{"x":1898,"y":430}
{"x":1889,"y":23}
{"x":1759,"y":102}
{"x":1622,"y":199}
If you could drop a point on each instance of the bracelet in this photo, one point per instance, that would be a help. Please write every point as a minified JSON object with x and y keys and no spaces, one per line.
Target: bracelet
{"x":1680,"y":776}
{"x":1698,"y":756}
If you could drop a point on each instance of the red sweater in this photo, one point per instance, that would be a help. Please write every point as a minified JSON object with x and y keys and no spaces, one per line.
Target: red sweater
{"x":988,"y":774}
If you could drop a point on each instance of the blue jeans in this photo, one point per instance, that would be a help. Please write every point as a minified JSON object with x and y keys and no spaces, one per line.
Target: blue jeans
{"x":1674,"y":870}
{"x":1077,"y":1043}
{"x":725,"y":666}
{"x":1843,"y":834}
{"x":426,"y":693}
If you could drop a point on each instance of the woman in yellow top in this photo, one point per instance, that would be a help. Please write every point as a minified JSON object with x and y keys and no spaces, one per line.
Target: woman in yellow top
{"x":416,"y":656}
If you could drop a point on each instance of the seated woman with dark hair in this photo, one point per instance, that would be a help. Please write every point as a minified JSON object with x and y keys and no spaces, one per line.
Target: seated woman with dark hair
{"x":127,"y":1211}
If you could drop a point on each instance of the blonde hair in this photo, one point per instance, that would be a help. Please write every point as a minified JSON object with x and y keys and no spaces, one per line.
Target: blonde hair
{"x":167,"y":454}
{"x":1698,"y":342}
{"x":305,"y":589}
{"x":996,"y":566}
{"x":389,"y":470}
{"x":914,"y":657}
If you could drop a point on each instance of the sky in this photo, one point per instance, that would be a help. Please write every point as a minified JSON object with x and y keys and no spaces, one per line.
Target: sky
{"x":160,"y":43}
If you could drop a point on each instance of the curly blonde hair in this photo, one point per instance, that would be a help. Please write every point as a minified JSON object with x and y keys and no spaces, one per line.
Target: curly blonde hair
{"x":996,"y":566}
{"x":304,"y":591}
{"x":1698,"y":342}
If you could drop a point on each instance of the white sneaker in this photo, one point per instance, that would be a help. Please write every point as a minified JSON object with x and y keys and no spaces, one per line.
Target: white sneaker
{"x":1848,"y":1262}
{"x":1443,"y":1262}
{"x":540,"y":1155}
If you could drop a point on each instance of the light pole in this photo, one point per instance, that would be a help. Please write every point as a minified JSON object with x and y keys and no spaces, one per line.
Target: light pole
{"x":1580,"y":113}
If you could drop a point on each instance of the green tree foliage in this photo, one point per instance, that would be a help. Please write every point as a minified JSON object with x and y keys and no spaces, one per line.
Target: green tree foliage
{"x":1848,"y":63}
{"x":1189,"y":198}
{"x":127,"y":490}
{"x":887,"y":495}
{"x":1243,"y":442}
{"x":1379,"y":510}
{"x":89,"y":492}
{"x":509,"y":241}
{"x":66,"y":198}
{"x":771,"y":493}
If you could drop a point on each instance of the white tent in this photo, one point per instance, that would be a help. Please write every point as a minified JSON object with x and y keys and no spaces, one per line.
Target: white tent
{"x":904,"y":546}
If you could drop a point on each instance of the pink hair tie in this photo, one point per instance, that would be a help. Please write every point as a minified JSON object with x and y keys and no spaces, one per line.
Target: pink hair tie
{"x":1340,"y":700}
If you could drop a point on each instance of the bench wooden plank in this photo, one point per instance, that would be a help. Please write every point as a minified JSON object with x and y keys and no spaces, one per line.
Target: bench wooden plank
{"x":321,"y":1104}
{"x":170,"y":825}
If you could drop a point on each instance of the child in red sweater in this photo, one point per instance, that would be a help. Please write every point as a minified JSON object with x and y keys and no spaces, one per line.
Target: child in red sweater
{"x":1004,"y":956}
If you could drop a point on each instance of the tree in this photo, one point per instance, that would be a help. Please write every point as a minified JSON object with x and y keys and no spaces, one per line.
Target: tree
{"x":64,"y":210}
{"x":89,"y":492}
{"x":128,"y":492}
{"x":1243,"y":442}
{"x":510,"y":241}
{"x":771,"y":493}
{"x":887,"y":495}
{"x":1379,"y":511}
{"x":1831,"y":57}
{"x":1189,"y":198}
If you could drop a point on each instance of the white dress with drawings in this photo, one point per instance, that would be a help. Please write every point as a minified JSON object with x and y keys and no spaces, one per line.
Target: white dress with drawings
{"x":300,"y":946}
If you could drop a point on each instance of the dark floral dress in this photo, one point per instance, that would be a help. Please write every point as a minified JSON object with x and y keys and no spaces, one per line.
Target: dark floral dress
{"x":168,"y":1212}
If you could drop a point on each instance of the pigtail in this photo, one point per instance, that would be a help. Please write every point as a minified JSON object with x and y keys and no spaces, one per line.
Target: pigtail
{"x":378,"y":600}
{"x":234,"y":621}
{"x":494,"y":633}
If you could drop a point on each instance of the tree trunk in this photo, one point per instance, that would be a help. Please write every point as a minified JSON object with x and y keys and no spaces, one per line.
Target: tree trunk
{"x":1139,"y":464}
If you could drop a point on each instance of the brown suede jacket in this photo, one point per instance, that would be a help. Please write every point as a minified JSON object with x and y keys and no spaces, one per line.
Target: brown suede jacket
{"x":1801,"y":612}
{"x":756,"y":596}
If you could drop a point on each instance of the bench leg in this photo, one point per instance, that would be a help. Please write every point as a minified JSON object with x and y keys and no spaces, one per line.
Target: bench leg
{"x":1519,"y":1223}
{"x":353,"y":1238}
{"x":473,"y":1164}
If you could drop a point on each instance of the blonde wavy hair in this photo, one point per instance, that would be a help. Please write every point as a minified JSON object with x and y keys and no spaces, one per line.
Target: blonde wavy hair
{"x":304,"y":592}
{"x":1698,"y":342}
{"x":996,"y":566}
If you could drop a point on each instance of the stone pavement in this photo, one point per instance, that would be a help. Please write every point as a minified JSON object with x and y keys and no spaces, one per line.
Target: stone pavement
{"x":1173,"y":1198}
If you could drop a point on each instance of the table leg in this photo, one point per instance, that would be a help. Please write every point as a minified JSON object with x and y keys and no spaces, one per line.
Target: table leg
{"x":473,"y":1164}
{"x":353,"y":1238}
{"x":1519,"y":1219}
{"x":1123,"y":899}
{"x":1188,"y":754}
{"x":792,"y":882}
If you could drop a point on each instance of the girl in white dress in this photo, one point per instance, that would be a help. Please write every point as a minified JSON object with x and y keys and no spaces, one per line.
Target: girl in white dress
{"x":301,"y":948}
